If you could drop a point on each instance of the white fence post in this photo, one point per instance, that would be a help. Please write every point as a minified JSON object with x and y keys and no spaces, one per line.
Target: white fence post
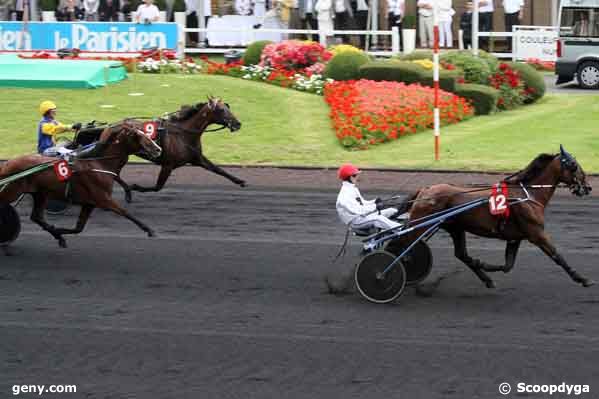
{"x":322,"y":37}
{"x":395,"y":40}
{"x":181,"y":34}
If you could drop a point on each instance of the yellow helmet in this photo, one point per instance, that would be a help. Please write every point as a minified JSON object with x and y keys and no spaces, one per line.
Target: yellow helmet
{"x":46,"y":106}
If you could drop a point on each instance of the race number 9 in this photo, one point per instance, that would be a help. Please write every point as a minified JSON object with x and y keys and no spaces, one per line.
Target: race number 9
{"x":62,"y":170}
{"x":150,"y":130}
{"x":498,"y":204}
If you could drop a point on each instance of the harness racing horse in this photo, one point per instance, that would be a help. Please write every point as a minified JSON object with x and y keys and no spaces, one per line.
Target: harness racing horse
{"x":181,"y":140}
{"x":90,"y":184}
{"x":526,"y":219}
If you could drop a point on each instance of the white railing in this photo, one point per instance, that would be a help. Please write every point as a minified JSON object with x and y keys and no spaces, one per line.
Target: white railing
{"x":323,"y":35}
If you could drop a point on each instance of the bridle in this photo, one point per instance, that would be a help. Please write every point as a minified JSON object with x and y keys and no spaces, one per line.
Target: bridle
{"x":569,"y":163}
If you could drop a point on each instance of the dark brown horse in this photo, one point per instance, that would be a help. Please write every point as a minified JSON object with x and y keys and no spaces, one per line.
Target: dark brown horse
{"x":180,"y":139}
{"x":91,"y":182}
{"x":525,"y":222}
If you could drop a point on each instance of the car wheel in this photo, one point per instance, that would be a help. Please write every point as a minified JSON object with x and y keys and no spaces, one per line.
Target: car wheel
{"x":588,"y":75}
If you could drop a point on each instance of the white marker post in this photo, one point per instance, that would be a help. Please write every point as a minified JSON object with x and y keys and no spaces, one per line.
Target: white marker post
{"x":437,"y":121}
{"x":475,"y":17}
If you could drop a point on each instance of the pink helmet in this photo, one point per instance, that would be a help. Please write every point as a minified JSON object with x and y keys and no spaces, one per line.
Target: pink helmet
{"x":346,"y":171}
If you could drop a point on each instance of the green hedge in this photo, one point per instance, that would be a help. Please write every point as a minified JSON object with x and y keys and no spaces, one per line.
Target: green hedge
{"x":533,"y":80}
{"x":252,"y":54}
{"x":447,"y":79}
{"x":483,"y":98}
{"x":476,"y":70}
{"x":346,"y":66}
{"x":394,"y":71}
{"x":407,"y":72}
{"x":417,"y":55}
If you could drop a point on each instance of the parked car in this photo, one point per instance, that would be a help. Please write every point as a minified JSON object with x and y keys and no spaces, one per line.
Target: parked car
{"x":578,"y":43}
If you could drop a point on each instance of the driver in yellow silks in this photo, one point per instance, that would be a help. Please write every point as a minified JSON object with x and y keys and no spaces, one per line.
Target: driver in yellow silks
{"x":48,"y":128}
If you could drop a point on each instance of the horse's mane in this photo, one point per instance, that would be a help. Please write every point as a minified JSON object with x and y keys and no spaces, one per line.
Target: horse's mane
{"x":186,"y":112}
{"x":101,"y":145}
{"x":533,"y":169}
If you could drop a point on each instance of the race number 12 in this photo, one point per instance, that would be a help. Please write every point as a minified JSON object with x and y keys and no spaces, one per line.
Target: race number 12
{"x":498,"y":204}
{"x":62,"y":170}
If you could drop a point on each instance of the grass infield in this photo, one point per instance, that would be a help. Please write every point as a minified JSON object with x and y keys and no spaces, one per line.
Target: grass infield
{"x":286,"y":127}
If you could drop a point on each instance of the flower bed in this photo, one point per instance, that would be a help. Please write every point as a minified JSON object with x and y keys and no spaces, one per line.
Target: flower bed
{"x":151,"y":65}
{"x":541,"y":65}
{"x":294,"y":55}
{"x":365,"y":112}
{"x":311,"y":83}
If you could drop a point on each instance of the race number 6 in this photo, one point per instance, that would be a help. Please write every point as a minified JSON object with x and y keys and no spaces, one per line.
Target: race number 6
{"x":62,"y":170}
{"x":497,"y":204}
{"x":150,"y":129}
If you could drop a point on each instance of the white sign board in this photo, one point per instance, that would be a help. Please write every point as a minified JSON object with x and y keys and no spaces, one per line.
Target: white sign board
{"x":535,"y":42}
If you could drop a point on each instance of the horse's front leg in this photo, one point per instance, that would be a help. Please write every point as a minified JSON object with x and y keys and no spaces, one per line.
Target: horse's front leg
{"x":205,"y":163}
{"x":459,"y":244}
{"x":125,"y":187}
{"x":165,"y":172}
{"x":38,"y":216}
{"x":111,"y":205}
{"x":511,"y":251}
{"x":542,"y":240}
{"x":86,"y":211}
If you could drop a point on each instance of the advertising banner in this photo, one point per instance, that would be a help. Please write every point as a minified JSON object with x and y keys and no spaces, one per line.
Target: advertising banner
{"x":87,"y":36}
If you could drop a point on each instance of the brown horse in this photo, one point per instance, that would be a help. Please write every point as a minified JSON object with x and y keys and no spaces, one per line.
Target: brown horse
{"x":181,"y":140}
{"x":525,"y":222}
{"x":91,"y":182}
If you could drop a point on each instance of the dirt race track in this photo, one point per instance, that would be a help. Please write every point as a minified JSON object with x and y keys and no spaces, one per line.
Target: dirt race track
{"x":229,"y":302}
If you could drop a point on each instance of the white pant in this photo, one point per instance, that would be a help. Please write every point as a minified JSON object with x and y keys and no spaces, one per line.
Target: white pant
{"x":445,"y":34}
{"x":57,"y":151}
{"x":425,"y":25}
{"x":381,"y":221}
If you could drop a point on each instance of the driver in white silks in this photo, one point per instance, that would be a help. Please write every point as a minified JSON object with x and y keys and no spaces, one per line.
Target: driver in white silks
{"x":354,"y":210}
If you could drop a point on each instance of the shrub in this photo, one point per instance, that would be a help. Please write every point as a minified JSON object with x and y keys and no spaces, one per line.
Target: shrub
{"x":534,"y":83}
{"x":254,"y":52}
{"x":417,"y":55}
{"x":343,"y":48}
{"x":409,"y":22}
{"x":179,"y":6}
{"x":48,"y":5}
{"x":293,"y":54}
{"x":476,"y":70}
{"x":393,"y":71}
{"x":447,"y":79}
{"x":407,"y":72}
{"x":490,"y":59}
{"x":510,"y":86}
{"x":346,"y":65}
{"x":483,"y":98}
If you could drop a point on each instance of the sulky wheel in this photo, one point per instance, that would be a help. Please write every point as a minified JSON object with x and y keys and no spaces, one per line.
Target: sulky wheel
{"x":371,"y":282}
{"x":10,"y":224}
{"x":417,"y":263}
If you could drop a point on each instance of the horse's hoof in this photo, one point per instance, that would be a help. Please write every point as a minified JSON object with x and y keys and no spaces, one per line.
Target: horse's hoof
{"x":586,"y":282}
{"x":242,"y":184}
{"x":151,"y":233}
{"x":128,"y":198}
{"x":490,"y":284}
{"x":62,"y":243}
